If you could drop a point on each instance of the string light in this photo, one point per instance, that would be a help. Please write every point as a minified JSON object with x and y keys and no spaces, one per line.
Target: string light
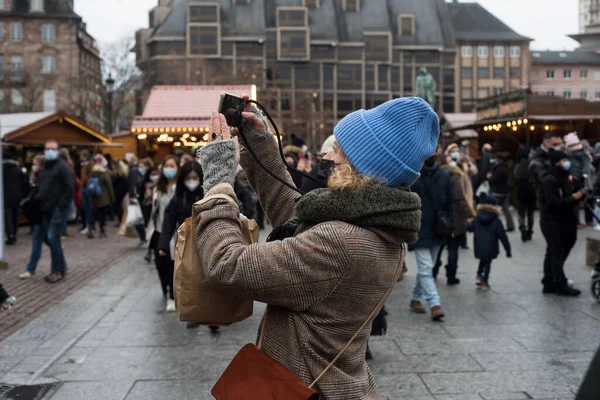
{"x":142,"y":136}
{"x":532,"y":128}
{"x":519,"y":122}
{"x":547,"y":128}
{"x":485,"y":128}
{"x":525,"y":121}
{"x":514,"y":128}
{"x":508,"y":124}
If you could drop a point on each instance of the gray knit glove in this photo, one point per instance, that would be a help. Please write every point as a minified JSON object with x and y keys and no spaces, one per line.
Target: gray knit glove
{"x":218,"y":163}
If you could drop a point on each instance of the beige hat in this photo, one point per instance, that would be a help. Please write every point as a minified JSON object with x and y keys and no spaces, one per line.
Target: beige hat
{"x":328,"y":145}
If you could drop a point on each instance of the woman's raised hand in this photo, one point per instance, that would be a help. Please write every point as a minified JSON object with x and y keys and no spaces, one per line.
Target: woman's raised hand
{"x":220,"y":131}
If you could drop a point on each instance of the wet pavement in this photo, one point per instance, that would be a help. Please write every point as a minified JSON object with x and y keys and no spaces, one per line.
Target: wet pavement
{"x":112,"y":339}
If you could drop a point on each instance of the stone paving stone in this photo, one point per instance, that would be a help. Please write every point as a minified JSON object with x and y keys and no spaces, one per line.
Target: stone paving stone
{"x":445,"y":346}
{"x":163,"y":389}
{"x":116,"y":390}
{"x":401,"y":386}
{"x":534,"y":361}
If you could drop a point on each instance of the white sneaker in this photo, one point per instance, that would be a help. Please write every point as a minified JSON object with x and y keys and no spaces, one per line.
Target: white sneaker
{"x":84,"y":231}
{"x":170,"y":306}
{"x":25,"y":275}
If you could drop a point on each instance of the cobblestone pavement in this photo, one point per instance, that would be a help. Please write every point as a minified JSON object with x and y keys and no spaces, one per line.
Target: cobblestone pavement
{"x":112,"y":339}
{"x":86,"y":259}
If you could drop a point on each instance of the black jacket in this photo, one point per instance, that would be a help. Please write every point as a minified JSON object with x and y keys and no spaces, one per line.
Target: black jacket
{"x":178,"y":210}
{"x":488,"y":232}
{"x":15,"y":184}
{"x":120,"y":186}
{"x":556,"y":197}
{"x":539,"y":164}
{"x":436,"y":194}
{"x":523,"y":180}
{"x":135,"y":180}
{"x":245,"y":194}
{"x":309,"y":185}
{"x":55,"y":185}
{"x":499,"y":180}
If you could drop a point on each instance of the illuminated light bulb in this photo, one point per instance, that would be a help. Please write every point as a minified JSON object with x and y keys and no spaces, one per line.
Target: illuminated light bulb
{"x":519,"y":122}
{"x":525,"y":121}
{"x":186,"y":135}
{"x":196,"y":129}
{"x":485,"y":128}
{"x":547,"y":128}
{"x":142,"y":136}
{"x":162,"y":129}
{"x":178,"y":129}
{"x":514,"y":128}
{"x":144,"y":130}
{"x":514,"y":123}
{"x":508,"y":124}
{"x":532,"y":128}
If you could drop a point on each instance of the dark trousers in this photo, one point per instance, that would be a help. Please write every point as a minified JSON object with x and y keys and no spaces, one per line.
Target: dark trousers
{"x":484,"y":270}
{"x":11,"y":221}
{"x":165,"y":267}
{"x":100,"y":217}
{"x":3,"y":294}
{"x":260,"y":215}
{"x":454,"y":243}
{"x":560,"y":239}
{"x":504,"y":202}
{"x":526,"y":207}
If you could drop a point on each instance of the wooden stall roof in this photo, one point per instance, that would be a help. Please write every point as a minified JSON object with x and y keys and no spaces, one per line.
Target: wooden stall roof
{"x":60,"y":126}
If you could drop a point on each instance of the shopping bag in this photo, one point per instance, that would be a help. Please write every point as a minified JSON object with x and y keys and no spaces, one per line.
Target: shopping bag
{"x":484,"y":188}
{"x":196,"y":299}
{"x":134,"y":215}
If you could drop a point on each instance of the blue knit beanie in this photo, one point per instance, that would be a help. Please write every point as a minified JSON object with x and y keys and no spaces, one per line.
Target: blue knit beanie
{"x":391,"y":141}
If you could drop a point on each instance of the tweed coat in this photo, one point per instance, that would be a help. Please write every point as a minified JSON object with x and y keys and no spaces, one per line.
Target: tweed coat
{"x":320,"y":285}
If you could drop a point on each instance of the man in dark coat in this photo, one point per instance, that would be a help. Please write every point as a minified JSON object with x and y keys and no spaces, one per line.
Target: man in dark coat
{"x":485,"y":165}
{"x":539,"y":162}
{"x":55,"y":191}
{"x":15,"y":190}
{"x":435,"y":191}
{"x":558,"y":223}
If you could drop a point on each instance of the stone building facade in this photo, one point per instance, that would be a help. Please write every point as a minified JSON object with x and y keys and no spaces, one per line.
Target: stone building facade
{"x":48,"y":61}
{"x":313,"y":61}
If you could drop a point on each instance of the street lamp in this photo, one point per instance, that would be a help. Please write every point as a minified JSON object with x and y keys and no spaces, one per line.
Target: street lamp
{"x":110,"y":85}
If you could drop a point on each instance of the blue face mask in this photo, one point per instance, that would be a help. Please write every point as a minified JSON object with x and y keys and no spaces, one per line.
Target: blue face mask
{"x":169,"y":173}
{"x":455,"y":155}
{"x":51,"y":154}
{"x":142,"y":171}
{"x":566,"y":165}
{"x":153,"y":178}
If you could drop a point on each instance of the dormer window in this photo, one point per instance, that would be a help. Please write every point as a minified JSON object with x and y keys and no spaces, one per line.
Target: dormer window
{"x":377,"y":46}
{"x":312,"y":3}
{"x":205,"y":13}
{"x":351,"y":5}
{"x":36,"y":6}
{"x":406,"y":24}
{"x":292,"y":17}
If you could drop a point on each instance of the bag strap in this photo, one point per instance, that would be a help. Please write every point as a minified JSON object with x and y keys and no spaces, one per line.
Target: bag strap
{"x":377,"y":307}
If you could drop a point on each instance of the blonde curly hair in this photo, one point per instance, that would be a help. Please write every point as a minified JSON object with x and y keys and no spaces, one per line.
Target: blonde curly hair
{"x":346,"y":177}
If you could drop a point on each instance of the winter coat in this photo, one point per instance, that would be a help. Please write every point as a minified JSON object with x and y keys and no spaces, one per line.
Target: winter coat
{"x":523,"y":183}
{"x":320,"y":285}
{"x":245,"y":196}
{"x":86,"y":170}
{"x":488,"y":230}
{"x":485,"y":166}
{"x":463,"y":209}
{"x":309,"y":185}
{"x":436,"y":194}
{"x":160,"y":201}
{"x":539,"y":164}
{"x":580,"y":164}
{"x":135,"y":181}
{"x":556,"y":198}
{"x":107,"y":197}
{"x":55,"y":186}
{"x":499,"y":180}
{"x":120,"y":186}
{"x":15,"y":184}
{"x":178,"y":210}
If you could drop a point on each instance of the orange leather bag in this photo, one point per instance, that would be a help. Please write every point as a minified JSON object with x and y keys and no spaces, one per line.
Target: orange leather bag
{"x":252,"y":374}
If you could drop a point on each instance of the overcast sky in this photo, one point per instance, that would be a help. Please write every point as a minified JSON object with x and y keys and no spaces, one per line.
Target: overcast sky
{"x":546,"y":21}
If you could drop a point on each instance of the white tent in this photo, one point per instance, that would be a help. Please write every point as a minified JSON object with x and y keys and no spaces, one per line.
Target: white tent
{"x":12,"y":122}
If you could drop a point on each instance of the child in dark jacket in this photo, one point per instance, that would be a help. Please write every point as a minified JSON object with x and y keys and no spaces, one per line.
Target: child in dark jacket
{"x":488,"y":232}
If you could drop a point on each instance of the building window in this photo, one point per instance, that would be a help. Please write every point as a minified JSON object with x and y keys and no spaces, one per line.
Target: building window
{"x":466,"y":72}
{"x":597,"y":75}
{"x":498,"y":51}
{"x":48,"y":33}
{"x":467,"y":94}
{"x":307,"y":75}
{"x":583,"y":74}
{"x":16,"y":97}
{"x":350,"y":53}
{"x":406,"y":22}
{"x":293,"y":44}
{"x":499,"y":73}
{"x":50,"y":100}
{"x":515,"y":72}
{"x":583,"y":94}
{"x":37,"y":6}
{"x":482,"y":93}
{"x":498,"y":91}
{"x":16,"y":31}
{"x":351,"y":5}
{"x":312,"y":3}
{"x":349,"y":76}
{"x":377,"y":47}
{"x":568,"y":74}
{"x":204,"y":40}
{"x":1,"y":30}
{"x":48,"y":65}
{"x":483,"y":72}
{"x":204,"y":13}
{"x":466,"y":51}
{"x":515,"y":52}
{"x":567,"y":94}
{"x":482,"y":51}
{"x":382,"y":78}
{"x":16,"y":65}
{"x":550,"y":93}
{"x":292,"y":17}
{"x":550,"y":74}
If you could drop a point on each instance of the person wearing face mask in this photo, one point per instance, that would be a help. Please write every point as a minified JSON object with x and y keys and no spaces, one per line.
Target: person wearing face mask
{"x":539,"y":162}
{"x":558,"y":222}
{"x":189,"y":191}
{"x":136,"y":179}
{"x":162,"y":194}
{"x":15,"y":190}
{"x":102,"y":202}
{"x":55,"y":191}
{"x":467,"y":165}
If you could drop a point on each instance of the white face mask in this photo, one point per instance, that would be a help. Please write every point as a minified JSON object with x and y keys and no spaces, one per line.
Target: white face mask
{"x":452,"y":164}
{"x":192,"y":185}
